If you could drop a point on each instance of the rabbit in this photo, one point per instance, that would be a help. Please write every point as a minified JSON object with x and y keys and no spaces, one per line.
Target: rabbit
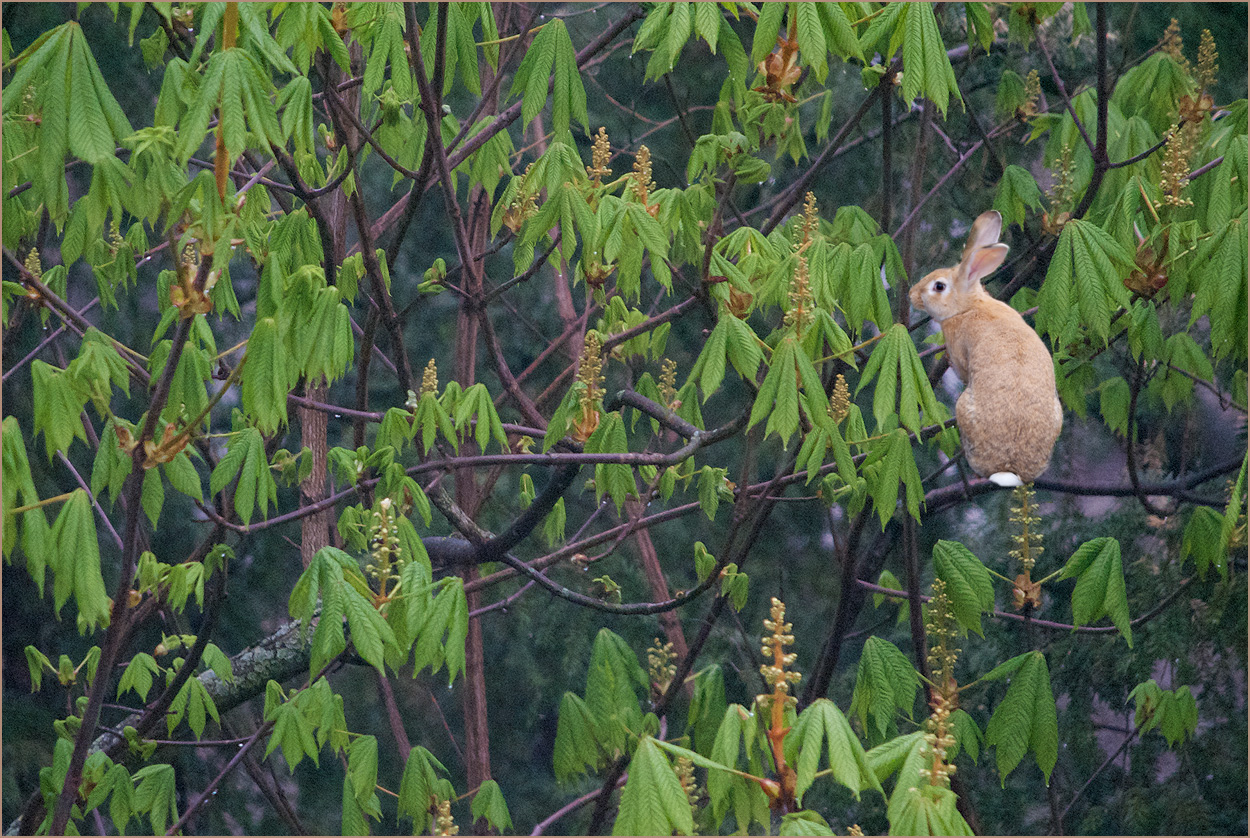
{"x":1009,"y":414}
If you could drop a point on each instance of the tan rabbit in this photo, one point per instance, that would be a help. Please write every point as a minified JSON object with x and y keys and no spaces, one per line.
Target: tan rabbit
{"x":1009,"y":415}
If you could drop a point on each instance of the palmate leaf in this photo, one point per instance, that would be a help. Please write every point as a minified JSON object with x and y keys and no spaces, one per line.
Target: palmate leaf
{"x":1017,"y":190}
{"x":66,"y":81}
{"x":447,"y":616}
{"x":748,"y":800}
{"x":385,"y":39}
{"x":926,"y":810}
{"x":890,"y":463}
{"x":156,"y":794}
{"x":926,"y":68}
{"x":653,"y":802}
{"x":292,"y":732}
{"x":1084,"y":283}
{"x":417,"y":788}
{"x":267,"y":377}
{"x":488,"y":803}
{"x":822,"y":731}
{"x":76,"y":562}
{"x":613,"y":684}
{"x":1173,"y":712}
{"x":885,"y":682}
{"x":58,"y":407}
{"x":1025,"y":719}
{"x":1100,"y":586}
{"x":577,"y":743}
{"x":839,"y":35}
{"x":36,"y":543}
{"x":968,"y":584}
{"x":245,"y":457}
{"x":552,"y":48}
{"x":1222,"y":292}
{"x":896,"y":366}
{"x":236,"y":85}
{"x":305,"y":28}
{"x":613,"y":479}
{"x":915,"y":807}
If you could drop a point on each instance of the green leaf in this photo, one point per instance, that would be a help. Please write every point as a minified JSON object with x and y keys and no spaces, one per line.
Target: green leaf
{"x":897,"y":367}
{"x":353,"y":821}
{"x":804,"y":823}
{"x":183,"y":476}
{"x":362,"y":766}
{"x":417,"y":788}
{"x":447,"y":615}
{"x":1222,"y":261}
{"x":577,"y":745}
{"x":58,"y":405}
{"x":1202,"y":541}
{"x":778,"y":396}
{"x":1114,"y":400}
{"x":891,"y":756}
{"x":266,"y":377}
{"x":968,"y":736}
{"x":1100,"y":587}
{"x":1025,"y":719}
{"x":138,"y":675}
{"x":292,"y":732}
{"x":476,"y":406}
{"x":980,"y":27}
{"x":488,"y":803}
{"x":926,"y":810}
{"x":822,"y":722}
{"x":36,"y":542}
{"x":1016,"y":191}
{"x":551,"y":46}
{"x":891,"y":463}
{"x":926,"y":68}
{"x":968,"y":583}
{"x":77,"y":563}
{"x":711,"y":482}
{"x":1084,"y":283}
{"x":613,"y":479}
{"x":653,"y":802}
{"x":1173,"y":712}
{"x":748,"y":799}
{"x":156,"y":794}
{"x":811,"y":38}
{"x":885,"y":682}
{"x":370,"y":633}
{"x":36,"y":661}
{"x":245,"y":456}
{"x":839,"y":35}
{"x":614,"y":683}
{"x":152,"y":495}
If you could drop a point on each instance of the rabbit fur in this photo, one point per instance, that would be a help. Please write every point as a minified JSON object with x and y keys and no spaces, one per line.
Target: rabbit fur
{"x":1009,"y":414}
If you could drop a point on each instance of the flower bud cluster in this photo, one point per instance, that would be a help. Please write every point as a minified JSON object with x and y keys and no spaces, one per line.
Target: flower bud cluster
{"x":778,"y":674}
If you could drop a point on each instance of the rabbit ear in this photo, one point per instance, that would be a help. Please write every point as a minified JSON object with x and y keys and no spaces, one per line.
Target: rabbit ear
{"x":985,"y":232}
{"x":984,"y":262}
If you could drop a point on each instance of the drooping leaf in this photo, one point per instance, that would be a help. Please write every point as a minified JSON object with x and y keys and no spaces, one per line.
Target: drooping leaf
{"x":1100,"y":588}
{"x":885,"y":682}
{"x":653,"y":802}
{"x":77,"y":563}
{"x":822,"y":733}
{"x":488,"y":803}
{"x":968,"y":584}
{"x":1025,"y":720}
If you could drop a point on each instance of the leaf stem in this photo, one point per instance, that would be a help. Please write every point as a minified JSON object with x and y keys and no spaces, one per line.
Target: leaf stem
{"x":28,"y":507}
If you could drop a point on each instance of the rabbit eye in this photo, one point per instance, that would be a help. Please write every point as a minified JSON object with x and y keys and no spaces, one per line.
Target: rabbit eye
{"x":939,"y":286}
